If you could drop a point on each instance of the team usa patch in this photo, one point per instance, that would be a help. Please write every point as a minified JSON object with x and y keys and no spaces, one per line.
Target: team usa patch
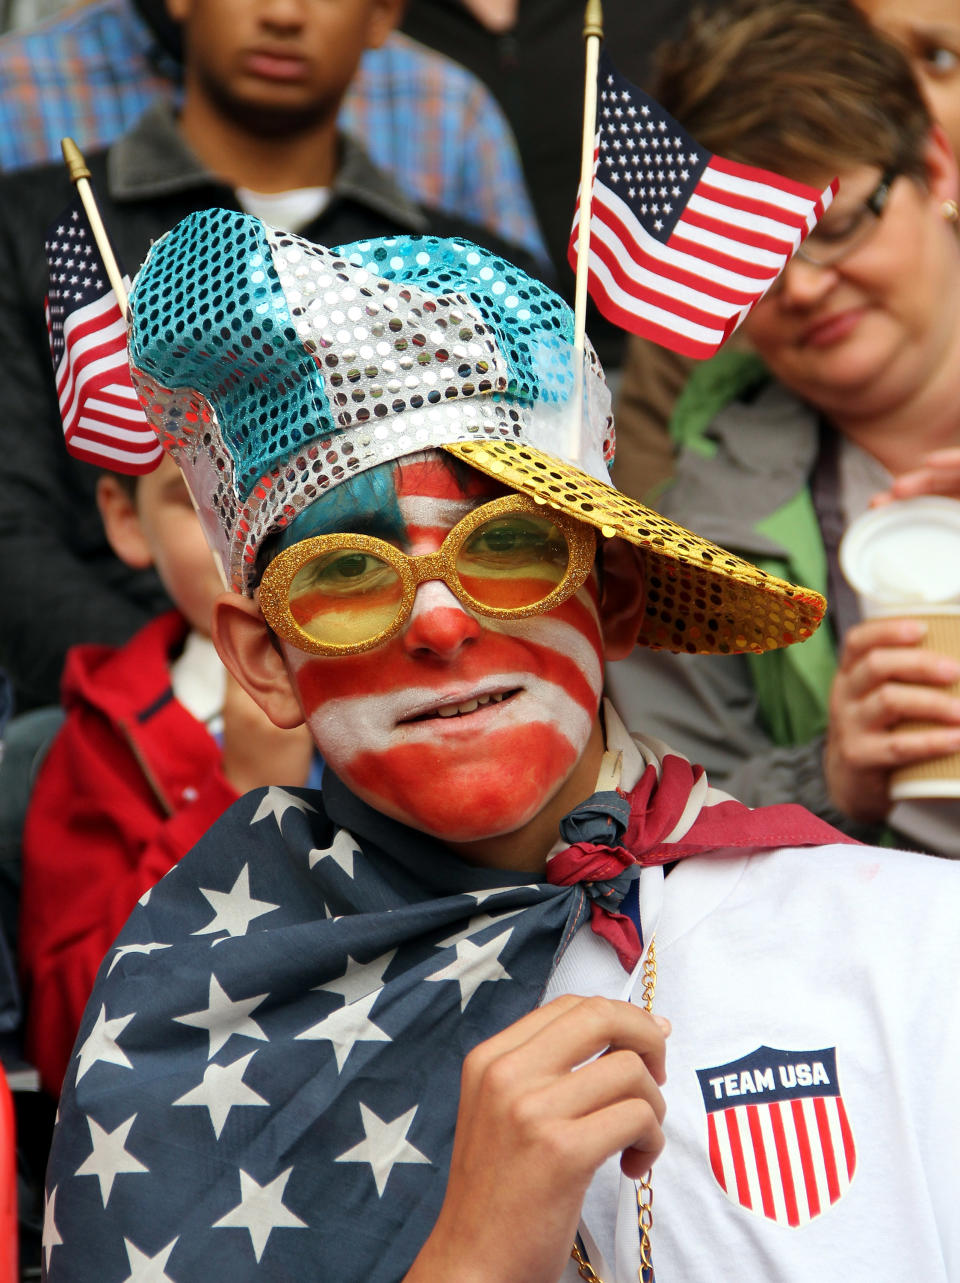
{"x":778,"y":1136}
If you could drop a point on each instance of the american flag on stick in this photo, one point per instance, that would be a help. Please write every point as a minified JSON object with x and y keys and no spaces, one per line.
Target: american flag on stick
{"x":102,"y":419}
{"x":682,"y":243}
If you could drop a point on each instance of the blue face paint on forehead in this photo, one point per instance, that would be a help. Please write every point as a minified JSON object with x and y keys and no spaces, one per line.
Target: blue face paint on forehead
{"x":365,"y":504}
{"x":368,"y":504}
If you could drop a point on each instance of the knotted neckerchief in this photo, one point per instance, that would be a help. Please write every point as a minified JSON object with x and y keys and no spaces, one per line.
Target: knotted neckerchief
{"x":672,"y":812}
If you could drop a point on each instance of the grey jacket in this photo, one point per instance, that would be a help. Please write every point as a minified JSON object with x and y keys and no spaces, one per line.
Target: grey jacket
{"x":756,"y":456}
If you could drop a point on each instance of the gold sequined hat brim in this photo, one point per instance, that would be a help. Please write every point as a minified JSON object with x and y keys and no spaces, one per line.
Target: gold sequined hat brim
{"x":699,"y":597}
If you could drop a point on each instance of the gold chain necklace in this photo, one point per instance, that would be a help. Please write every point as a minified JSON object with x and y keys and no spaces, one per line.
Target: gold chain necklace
{"x":644,"y":1186}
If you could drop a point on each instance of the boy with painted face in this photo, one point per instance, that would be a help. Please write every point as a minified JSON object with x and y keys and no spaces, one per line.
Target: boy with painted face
{"x":410,"y":1028}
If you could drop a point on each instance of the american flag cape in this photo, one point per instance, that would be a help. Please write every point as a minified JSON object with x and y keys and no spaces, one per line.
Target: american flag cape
{"x":103,"y":422}
{"x":265,"y":1082}
{"x":682,"y":242}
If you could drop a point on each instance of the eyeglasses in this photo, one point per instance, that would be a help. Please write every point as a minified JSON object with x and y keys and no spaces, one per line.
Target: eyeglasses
{"x":342,"y":594}
{"x":839,"y":236}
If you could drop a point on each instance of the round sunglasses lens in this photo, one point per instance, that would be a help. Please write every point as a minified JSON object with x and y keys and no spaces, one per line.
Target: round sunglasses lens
{"x":513,"y":561}
{"x":345,"y":596}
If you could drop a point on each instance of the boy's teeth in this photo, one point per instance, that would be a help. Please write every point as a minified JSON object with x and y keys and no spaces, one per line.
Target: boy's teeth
{"x":451,"y":710}
{"x":468,"y":706}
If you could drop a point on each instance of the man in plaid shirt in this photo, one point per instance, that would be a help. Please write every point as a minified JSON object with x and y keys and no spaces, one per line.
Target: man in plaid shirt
{"x":91,"y":74}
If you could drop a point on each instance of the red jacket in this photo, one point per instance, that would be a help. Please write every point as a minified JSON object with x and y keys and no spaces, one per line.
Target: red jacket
{"x":129,"y":785}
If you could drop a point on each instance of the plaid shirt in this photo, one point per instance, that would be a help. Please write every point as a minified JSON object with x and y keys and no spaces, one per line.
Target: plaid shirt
{"x":432,"y":124}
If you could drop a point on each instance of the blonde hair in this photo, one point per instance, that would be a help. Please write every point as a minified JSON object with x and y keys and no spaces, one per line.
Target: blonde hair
{"x":803,"y":87}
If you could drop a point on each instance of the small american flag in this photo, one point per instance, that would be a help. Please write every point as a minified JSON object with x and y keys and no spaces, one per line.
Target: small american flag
{"x":102,"y":419}
{"x":682,"y":242}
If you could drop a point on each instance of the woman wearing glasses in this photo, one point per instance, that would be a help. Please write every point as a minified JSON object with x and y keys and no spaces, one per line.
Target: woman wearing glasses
{"x":856,"y":378}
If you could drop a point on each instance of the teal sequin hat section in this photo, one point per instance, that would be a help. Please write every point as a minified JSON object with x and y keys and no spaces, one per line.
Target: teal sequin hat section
{"x":274,"y":369}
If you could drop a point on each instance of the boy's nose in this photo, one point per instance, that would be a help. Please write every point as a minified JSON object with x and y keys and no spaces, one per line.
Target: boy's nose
{"x":438,"y":624}
{"x":282,"y":15}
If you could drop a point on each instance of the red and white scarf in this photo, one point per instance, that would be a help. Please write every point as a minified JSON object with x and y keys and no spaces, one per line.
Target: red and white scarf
{"x":663,"y":809}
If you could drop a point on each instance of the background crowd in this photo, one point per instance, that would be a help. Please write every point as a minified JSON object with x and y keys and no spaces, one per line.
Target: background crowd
{"x":122,"y":736}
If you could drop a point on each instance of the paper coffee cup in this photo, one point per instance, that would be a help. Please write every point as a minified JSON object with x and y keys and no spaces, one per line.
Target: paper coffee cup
{"x":903,"y":560}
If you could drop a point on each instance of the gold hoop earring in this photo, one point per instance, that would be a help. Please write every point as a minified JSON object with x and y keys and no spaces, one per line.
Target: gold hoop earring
{"x":950,"y":211}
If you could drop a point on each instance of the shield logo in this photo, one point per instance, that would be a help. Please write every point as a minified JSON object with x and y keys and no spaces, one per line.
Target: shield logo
{"x":778,"y":1136}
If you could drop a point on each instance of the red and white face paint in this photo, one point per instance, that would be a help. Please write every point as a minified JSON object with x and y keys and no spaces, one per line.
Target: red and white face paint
{"x":461,"y":726}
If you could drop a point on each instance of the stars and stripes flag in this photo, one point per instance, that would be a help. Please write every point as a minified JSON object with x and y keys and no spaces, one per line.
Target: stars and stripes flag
{"x":103,"y":422}
{"x":682,"y":242}
{"x":265,"y":1083}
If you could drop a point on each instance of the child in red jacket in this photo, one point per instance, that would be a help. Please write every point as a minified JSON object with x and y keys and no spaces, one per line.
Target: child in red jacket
{"x":157,"y":742}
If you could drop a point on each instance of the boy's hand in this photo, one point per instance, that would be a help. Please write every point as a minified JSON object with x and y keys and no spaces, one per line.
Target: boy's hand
{"x":255,"y":752}
{"x":885,"y":679}
{"x":542,"y":1105}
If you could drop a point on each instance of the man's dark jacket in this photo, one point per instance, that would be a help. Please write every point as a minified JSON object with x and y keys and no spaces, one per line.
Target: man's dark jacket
{"x":59,"y":581}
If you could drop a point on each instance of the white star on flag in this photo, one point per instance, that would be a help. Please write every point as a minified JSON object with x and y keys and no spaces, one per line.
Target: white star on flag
{"x":261,"y":1211}
{"x":475,"y":965}
{"x":235,"y":909}
{"x":101,"y":1043}
{"x":346,"y":1027}
{"x":109,"y":1157}
{"x":222,"y":1089}
{"x":476,"y":925}
{"x":360,"y":978}
{"x":481,"y":897}
{"x":276,"y":802}
{"x":225,"y":1016}
{"x":51,"y":1235}
{"x":122,"y":950}
{"x":384,"y":1145}
{"x":342,"y":851}
{"x":149,"y":1269}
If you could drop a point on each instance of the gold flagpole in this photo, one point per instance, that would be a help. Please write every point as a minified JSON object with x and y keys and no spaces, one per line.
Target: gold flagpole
{"x":80,"y":177}
{"x":592,"y":35}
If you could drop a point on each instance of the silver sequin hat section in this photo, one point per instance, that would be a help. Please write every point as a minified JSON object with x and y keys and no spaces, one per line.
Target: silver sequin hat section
{"x":273,"y":368}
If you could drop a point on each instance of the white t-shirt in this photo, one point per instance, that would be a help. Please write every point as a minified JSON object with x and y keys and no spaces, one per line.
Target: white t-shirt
{"x":292,"y":210}
{"x":820,"y":982}
{"x":199,"y":681}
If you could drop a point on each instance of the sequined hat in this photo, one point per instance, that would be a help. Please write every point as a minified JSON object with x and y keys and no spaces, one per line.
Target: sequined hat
{"x":273,"y":369}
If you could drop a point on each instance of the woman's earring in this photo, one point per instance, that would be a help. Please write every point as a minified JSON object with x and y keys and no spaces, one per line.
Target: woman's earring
{"x":950,"y":211}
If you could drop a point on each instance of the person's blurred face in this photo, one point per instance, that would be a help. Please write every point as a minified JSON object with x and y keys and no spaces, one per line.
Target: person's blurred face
{"x":173,"y":537}
{"x":864,"y":334}
{"x":462,"y":726}
{"x":278,"y":64}
{"x":929,"y":33}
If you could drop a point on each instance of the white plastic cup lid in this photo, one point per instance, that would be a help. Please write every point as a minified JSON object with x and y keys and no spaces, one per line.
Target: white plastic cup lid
{"x":906,"y":553}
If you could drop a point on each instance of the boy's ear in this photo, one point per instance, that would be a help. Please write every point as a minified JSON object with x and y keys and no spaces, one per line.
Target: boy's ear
{"x":249,"y":651}
{"x":623,"y":597}
{"x":121,"y":522}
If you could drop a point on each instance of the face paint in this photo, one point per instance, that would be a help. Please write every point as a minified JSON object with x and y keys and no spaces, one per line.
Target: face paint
{"x":461,"y":726}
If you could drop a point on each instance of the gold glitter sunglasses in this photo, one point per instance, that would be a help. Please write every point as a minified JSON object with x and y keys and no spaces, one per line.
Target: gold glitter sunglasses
{"x":342,"y":594}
